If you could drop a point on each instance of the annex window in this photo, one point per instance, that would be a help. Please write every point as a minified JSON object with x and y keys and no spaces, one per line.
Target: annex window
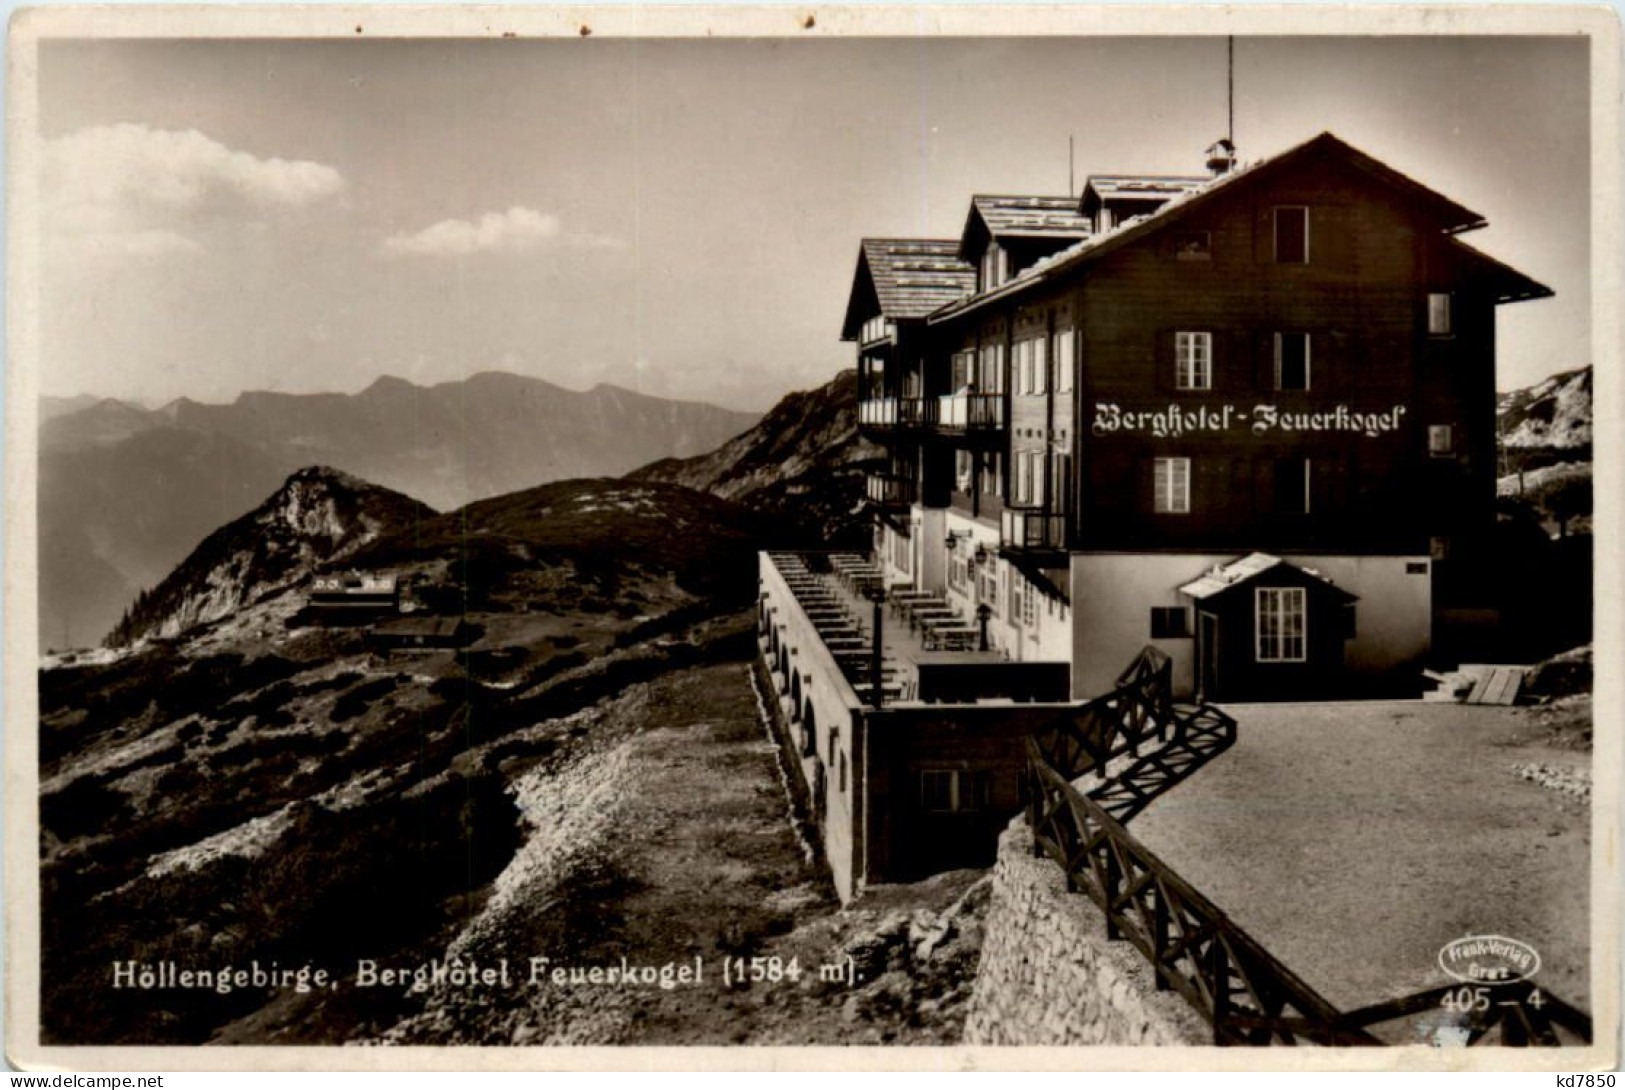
{"x":1029,"y":607}
{"x":1193,"y":361}
{"x":1281,"y":624}
{"x":1065,"y":360}
{"x":1039,"y":350}
{"x":1292,"y":361}
{"x":1439,"y":314}
{"x":964,"y":364}
{"x":1441,"y":440}
{"x":1193,"y":246}
{"x":1171,"y":490}
{"x":1169,"y":622}
{"x":1292,"y":235}
{"x":1021,"y":378}
{"x":1013,"y":609}
{"x":953,"y":790}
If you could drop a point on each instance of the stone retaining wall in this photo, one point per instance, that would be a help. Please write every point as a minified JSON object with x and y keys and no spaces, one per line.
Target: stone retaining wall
{"x":1049,"y":976}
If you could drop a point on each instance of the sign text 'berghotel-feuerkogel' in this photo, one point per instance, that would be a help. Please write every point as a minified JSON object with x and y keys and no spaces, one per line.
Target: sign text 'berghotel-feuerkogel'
{"x":1176,"y":420}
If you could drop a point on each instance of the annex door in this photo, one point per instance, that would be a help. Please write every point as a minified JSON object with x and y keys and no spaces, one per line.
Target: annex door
{"x":1207,"y":657}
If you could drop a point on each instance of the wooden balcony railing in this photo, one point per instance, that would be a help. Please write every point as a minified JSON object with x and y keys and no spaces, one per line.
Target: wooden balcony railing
{"x":878,"y":412}
{"x":1244,"y":993}
{"x":890,"y":490}
{"x":970,"y":412}
{"x":1031,"y":528}
{"x":898,"y":412}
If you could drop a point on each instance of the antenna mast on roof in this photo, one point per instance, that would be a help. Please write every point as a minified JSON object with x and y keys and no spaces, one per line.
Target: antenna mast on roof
{"x":1230,"y":89}
{"x":1221,"y":156}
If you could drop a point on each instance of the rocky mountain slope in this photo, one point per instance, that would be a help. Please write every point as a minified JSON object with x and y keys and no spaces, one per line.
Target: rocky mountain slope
{"x":116,"y":518}
{"x":1545,"y":436}
{"x":803,"y":465}
{"x":318,"y":517}
{"x":126,"y":492}
{"x":589,"y":778}
{"x":1553,"y":413}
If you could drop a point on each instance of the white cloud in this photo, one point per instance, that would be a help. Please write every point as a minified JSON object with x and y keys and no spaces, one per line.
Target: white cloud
{"x":518,"y":230}
{"x":136,"y":190}
{"x":129,"y":163}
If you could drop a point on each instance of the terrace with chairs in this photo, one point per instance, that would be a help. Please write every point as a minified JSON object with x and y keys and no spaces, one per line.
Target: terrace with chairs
{"x":929,"y":652}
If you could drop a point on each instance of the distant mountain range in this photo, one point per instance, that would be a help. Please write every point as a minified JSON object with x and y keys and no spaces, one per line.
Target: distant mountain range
{"x":446,"y":445}
{"x":126,"y":491}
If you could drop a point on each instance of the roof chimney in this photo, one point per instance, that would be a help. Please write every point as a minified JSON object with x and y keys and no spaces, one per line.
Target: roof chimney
{"x":1221,"y":157}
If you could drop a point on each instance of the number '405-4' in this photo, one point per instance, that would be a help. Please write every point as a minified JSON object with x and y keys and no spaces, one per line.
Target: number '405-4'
{"x":1467,"y":999}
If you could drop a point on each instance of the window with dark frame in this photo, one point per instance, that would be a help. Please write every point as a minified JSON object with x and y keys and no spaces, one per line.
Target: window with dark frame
{"x":1292,"y":235}
{"x":1292,"y":361}
{"x":1280,"y":624}
{"x":1064,"y":357}
{"x":1441,"y":440}
{"x":1169,"y":622}
{"x":1193,"y":361}
{"x":954,"y":790}
{"x":1193,"y":246}
{"x":1294,"y":485}
{"x":1171,"y":486}
{"x":1439,"y":314}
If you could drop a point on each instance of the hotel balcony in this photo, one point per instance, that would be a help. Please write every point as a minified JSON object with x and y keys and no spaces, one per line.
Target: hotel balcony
{"x":891,"y":492}
{"x":897,"y":413}
{"x":1032,"y":530}
{"x":971,"y":412}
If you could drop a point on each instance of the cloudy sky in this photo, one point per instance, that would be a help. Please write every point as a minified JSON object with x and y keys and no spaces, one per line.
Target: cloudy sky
{"x":683,"y":217}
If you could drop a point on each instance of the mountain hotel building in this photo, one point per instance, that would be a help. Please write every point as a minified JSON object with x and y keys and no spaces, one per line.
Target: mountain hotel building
{"x":1246,"y":417}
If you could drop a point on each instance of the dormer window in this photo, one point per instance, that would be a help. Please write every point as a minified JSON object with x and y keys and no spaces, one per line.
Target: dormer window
{"x":995,"y":268}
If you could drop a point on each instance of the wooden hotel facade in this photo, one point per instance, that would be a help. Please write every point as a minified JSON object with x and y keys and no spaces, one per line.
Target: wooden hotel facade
{"x":1246,"y":418}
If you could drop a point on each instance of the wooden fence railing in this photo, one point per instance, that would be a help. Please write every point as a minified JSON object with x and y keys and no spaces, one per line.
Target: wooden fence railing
{"x":1243,"y":992}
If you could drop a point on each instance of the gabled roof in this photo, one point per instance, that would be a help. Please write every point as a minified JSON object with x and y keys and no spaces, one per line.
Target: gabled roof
{"x":906,"y":278}
{"x":1241,"y":572}
{"x":1511,"y":286}
{"x":1105,"y":187}
{"x":1450,"y":216}
{"x":1021,"y":217}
